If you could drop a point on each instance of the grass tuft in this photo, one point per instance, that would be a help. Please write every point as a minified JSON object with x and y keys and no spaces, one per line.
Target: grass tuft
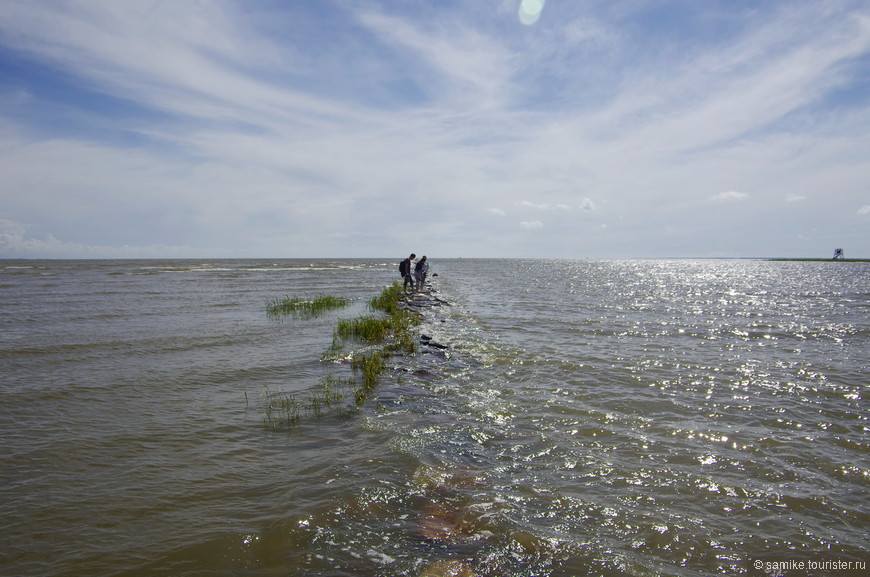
{"x":393,"y":333}
{"x":304,"y":308}
{"x":389,"y":299}
{"x":365,"y":328}
{"x":371,"y":365}
{"x":279,"y":409}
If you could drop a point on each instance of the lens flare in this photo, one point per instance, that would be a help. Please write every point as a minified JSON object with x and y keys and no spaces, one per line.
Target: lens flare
{"x":530,"y":11}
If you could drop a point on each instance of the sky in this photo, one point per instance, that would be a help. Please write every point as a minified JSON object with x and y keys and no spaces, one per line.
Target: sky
{"x":485,"y":128}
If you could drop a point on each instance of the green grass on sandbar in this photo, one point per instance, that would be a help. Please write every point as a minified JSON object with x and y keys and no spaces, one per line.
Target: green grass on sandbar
{"x":365,"y":328}
{"x":304,"y":308}
{"x":382,"y":334}
{"x":391,"y":334}
{"x":389,"y":299}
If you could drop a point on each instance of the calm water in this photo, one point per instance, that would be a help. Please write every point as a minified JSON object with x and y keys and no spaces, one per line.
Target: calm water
{"x":587,"y":418}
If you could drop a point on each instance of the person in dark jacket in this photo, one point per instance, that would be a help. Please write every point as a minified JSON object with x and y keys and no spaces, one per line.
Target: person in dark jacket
{"x":420,"y":272}
{"x":406,"y":272}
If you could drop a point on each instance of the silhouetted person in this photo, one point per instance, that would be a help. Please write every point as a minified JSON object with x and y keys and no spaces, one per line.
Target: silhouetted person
{"x":420,"y":272}
{"x":406,"y":271}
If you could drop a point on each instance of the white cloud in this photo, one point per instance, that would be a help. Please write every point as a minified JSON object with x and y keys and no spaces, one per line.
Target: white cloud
{"x":496,"y":211}
{"x":545,"y":206}
{"x":729,"y":196}
{"x":16,"y":243}
{"x":11,"y":233}
{"x":531,"y":224}
{"x":795,"y":198}
{"x":864,"y":210}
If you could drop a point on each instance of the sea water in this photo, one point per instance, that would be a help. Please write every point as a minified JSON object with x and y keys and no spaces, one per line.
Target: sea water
{"x":561,"y":417}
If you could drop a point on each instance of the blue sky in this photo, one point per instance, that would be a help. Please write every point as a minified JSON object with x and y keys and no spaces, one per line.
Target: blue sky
{"x":350,"y":128}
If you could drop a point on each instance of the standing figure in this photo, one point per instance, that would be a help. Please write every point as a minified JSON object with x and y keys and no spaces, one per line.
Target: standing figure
{"x":405,"y":271}
{"x":420,"y":272}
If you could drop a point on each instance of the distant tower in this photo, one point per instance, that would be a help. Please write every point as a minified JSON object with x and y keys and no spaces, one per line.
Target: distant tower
{"x":838,"y":254}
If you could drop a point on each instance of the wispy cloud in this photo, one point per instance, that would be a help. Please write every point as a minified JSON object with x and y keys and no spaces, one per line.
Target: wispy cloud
{"x":544,"y":205}
{"x":15,"y":241}
{"x":729,"y":196}
{"x":328,"y":128}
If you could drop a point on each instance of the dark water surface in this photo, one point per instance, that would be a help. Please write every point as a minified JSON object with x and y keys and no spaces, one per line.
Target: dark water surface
{"x":586,"y":418}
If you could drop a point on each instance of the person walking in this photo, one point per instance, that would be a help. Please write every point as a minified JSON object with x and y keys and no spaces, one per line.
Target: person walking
{"x":405,"y":271}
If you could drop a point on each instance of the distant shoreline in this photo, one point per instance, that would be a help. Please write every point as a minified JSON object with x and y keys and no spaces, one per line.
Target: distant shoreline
{"x":821,"y":259}
{"x":391,"y":259}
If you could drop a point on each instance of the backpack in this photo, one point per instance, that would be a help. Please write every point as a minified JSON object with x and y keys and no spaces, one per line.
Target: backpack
{"x":403,"y":268}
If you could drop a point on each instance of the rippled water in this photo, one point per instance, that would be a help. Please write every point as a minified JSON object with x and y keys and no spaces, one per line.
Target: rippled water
{"x":586,"y":418}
